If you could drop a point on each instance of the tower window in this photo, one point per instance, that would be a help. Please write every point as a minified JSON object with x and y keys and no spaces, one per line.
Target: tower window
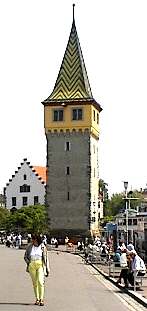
{"x":58,"y":115}
{"x":94,"y":115}
{"x":77,"y":114}
{"x":13,"y":201}
{"x":67,"y":145}
{"x":97,"y":118}
{"x":94,"y":172}
{"x":25,"y":177}
{"x":67,"y":170}
{"x":68,"y":195}
{"x":94,"y":148}
{"x":24,"y":201}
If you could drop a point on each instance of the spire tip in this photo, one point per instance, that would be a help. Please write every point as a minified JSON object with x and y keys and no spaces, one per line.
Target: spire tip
{"x":73,"y":11}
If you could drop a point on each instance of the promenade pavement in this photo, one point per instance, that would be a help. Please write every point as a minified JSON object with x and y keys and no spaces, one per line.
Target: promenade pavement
{"x":71,"y":286}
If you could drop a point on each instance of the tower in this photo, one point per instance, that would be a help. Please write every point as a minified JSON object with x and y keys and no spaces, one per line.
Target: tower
{"x":71,"y":121}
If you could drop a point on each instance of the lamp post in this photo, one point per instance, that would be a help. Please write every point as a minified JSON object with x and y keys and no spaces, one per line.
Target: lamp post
{"x":126,"y":188}
{"x":128,"y":200}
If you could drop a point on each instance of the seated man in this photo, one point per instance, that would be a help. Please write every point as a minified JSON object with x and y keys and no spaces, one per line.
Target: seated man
{"x":137,"y":265}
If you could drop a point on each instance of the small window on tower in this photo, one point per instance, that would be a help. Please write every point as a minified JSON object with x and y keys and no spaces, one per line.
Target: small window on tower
{"x":97,"y":118}
{"x":58,"y":115}
{"x":25,"y":177}
{"x":67,"y":170}
{"x":68,"y":195}
{"x":67,"y":145}
{"x":94,"y":115}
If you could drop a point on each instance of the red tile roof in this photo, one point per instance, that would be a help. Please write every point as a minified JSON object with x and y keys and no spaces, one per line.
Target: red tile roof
{"x":41,"y":171}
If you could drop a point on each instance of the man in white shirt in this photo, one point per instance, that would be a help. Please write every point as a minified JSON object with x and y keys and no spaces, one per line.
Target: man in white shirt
{"x":137,"y":266}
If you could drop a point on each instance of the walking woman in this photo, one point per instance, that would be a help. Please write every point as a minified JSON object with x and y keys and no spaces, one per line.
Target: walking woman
{"x":38,"y":266}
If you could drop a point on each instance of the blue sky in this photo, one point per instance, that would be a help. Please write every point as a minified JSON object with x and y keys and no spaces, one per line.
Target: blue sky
{"x":112,"y":35}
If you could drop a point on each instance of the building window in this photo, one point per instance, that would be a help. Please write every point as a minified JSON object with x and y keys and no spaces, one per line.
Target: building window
{"x":135,"y":222}
{"x":68,"y":195}
{"x":58,"y":115}
{"x":130,"y":222}
{"x":97,"y":118}
{"x":13,"y":201}
{"x":67,"y":170}
{"x":36,"y":201}
{"x":77,"y":114}
{"x":25,"y":177}
{"x":24,"y":201}
{"x":94,"y":172}
{"x":67,"y":146}
{"x":24,"y":188}
{"x":94,"y":115}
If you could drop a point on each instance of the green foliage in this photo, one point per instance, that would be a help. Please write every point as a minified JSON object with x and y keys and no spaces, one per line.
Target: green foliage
{"x":103,"y":190}
{"x":31,"y":219}
{"x":117,"y":202}
{"x":3,"y":216}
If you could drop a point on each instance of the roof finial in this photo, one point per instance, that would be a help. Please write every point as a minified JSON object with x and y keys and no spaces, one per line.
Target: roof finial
{"x":73,"y":12}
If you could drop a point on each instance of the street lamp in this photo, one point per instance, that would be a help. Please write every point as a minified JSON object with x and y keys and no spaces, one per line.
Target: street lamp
{"x":126,"y":188}
{"x":127,"y":199}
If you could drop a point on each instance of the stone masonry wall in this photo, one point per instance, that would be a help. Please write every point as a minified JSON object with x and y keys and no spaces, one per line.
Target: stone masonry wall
{"x":68,"y":184}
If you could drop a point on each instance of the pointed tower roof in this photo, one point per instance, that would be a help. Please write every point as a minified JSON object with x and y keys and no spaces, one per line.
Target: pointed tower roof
{"x":72,"y":82}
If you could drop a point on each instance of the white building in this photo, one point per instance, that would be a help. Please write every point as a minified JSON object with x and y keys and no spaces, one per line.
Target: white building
{"x":26,"y":187}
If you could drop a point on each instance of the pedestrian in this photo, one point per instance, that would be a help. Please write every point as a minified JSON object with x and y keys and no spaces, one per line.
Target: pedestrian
{"x":38,"y":266}
{"x":124,"y":268}
{"x":56,"y":243}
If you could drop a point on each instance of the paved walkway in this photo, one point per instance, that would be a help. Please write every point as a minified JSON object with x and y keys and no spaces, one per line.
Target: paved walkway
{"x":72,"y":286}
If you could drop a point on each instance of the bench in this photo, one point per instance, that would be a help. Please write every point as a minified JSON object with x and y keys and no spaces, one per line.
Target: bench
{"x":139,"y":279}
{"x":114,"y":269}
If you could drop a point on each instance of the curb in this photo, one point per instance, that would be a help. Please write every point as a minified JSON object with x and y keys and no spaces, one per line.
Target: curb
{"x":135,"y":296}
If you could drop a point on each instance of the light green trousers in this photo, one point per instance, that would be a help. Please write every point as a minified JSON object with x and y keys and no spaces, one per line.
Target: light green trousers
{"x":37,"y":276}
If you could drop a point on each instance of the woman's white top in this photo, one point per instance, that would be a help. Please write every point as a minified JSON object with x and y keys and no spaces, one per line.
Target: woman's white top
{"x":36,"y":253}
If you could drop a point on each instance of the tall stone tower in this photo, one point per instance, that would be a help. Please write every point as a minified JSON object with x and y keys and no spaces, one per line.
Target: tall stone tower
{"x":71,"y":120}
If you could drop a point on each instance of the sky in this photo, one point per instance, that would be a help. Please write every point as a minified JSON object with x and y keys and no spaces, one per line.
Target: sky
{"x":113,"y":38}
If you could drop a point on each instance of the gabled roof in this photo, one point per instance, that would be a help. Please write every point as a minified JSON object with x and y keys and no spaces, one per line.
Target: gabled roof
{"x":72,"y":82}
{"x":39,"y":171}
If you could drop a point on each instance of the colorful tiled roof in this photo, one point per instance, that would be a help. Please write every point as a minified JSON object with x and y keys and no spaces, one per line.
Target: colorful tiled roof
{"x":72,"y":82}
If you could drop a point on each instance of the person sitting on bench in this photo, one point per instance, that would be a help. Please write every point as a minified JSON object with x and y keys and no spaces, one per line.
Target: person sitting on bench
{"x":137,"y":265}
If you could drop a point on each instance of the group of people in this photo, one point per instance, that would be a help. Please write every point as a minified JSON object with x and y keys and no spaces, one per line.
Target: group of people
{"x":130,"y":262}
{"x":13,"y":240}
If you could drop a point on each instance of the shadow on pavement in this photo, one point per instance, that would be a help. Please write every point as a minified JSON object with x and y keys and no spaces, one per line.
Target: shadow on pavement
{"x":17,"y":303}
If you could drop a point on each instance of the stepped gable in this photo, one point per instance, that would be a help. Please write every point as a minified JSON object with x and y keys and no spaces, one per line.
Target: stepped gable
{"x":72,"y":83}
{"x":40,"y":172}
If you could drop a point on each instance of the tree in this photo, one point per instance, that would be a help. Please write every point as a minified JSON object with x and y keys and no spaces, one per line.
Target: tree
{"x":4,"y":213}
{"x":117,"y":203}
{"x":31,"y":219}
